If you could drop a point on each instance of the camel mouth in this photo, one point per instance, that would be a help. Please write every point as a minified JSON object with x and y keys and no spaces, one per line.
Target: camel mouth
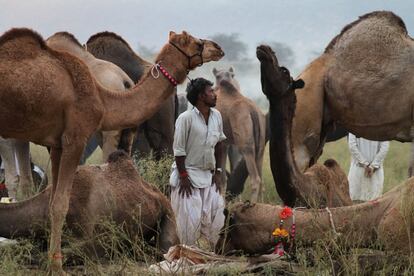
{"x":264,"y":52}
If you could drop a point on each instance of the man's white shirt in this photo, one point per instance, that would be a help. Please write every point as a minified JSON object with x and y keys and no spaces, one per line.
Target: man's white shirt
{"x":196,"y":140}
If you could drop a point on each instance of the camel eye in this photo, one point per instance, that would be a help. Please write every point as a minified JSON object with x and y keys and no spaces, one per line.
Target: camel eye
{"x":284,"y":70}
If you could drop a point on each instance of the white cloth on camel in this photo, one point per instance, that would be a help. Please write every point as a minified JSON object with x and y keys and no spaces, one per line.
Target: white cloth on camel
{"x":366,"y":152}
{"x":201,"y":213}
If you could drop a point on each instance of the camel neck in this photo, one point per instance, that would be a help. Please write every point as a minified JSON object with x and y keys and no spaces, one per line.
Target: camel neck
{"x":284,"y":169}
{"x":128,"y":109}
{"x":26,"y":217}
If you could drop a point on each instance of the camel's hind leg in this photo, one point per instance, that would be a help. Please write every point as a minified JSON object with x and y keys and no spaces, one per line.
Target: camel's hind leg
{"x":69,"y":158}
{"x":26,"y":183}
{"x":8,"y":157}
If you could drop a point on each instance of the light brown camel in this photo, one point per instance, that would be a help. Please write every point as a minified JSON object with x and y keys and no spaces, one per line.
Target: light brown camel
{"x":388,"y":220}
{"x":61,"y":105}
{"x":244,"y":125}
{"x":106,"y":73}
{"x":359,"y":82}
{"x":113,"y":191}
{"x":320,"y":185}
{"x":156,"y":133}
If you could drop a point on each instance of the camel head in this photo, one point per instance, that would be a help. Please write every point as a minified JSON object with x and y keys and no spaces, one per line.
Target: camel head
{"x":226,"y":78}
{"x":276,"y":80}
{"x":197,"y":51}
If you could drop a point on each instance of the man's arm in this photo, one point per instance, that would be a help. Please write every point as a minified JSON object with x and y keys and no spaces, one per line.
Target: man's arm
{"x":185,"y":183}
{"x":218,"y":154}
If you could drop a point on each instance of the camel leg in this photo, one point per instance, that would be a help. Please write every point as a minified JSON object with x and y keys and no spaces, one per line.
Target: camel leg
{"x":255,"y":179}
{"x":234,"y":157}
{"x":26,"y":185}
{"x":8,"y":157}
{"x":69,"y":159}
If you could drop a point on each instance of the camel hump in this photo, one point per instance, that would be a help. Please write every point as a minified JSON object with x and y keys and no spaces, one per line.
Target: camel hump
{"x":380,"y":17}
{"x":107,"y":35}
{"x":25,"y":35}
{"x":117,"y":155}
{"x":68,"y":36}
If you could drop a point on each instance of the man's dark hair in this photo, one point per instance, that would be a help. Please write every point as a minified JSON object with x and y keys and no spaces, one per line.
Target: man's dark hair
{"x":195,"y":87}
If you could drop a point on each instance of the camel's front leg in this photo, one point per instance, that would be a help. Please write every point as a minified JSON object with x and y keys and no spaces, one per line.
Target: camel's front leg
{"x":69,"y":160}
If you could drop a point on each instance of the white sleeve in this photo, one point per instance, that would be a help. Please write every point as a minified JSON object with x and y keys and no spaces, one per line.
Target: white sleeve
{"x":182,"y":125}
{"x":353,"y":148}
{"x":382,"y":152}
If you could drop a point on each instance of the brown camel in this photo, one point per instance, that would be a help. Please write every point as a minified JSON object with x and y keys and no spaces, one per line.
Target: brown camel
{"x":387,"y":221}
{"x":244,"y":126}
{"x":156,"y":133}
{"x":359,"y":82}
{"x":106,"y":73}
{"x":113,"y":191}
{"x":61,"y":105}
{"x":321,"y":185}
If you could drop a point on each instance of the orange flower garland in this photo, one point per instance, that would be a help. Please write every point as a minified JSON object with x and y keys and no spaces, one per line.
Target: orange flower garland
{"x":281,"y":235}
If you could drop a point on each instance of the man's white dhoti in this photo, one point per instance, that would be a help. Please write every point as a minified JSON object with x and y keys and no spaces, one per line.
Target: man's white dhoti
{"x":201,"y":213}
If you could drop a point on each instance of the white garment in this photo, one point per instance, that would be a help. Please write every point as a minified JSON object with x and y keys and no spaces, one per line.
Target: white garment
{"x":195,"y":140}
{"x":201,"y":212}
{"x":365,"y":152}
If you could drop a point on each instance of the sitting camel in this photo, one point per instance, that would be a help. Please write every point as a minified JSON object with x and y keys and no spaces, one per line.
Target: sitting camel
{"x":156,"y":133}
{"x":387,"y":220}
{"x":244,"y":125}
{"x":320,"y":185}
{"x":359,"y":82}
{"x":61,"y":105}
{"x":113,"y":191}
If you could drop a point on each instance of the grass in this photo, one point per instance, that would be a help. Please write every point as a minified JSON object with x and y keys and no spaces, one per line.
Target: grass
{"x":127,"y":257}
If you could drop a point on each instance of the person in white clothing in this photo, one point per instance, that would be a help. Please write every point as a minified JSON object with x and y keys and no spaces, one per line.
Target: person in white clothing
{"x":366,"y":174}
{"x":195,"y":178}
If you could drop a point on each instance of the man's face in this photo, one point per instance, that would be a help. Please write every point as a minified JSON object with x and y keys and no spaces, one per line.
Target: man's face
{"x":209,"y":97}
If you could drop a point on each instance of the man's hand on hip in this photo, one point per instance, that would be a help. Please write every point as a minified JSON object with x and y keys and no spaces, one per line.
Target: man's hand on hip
{"x":185,"y":187}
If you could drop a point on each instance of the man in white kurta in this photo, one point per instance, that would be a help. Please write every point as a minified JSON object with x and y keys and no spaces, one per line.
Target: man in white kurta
{"x":366,"y":174}
{"x":195,"y":195}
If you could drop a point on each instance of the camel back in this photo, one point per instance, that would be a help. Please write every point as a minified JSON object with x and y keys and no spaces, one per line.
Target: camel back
{"x":21,"y":43}
{"x":387,"y":18}
{"x":68,"y":36}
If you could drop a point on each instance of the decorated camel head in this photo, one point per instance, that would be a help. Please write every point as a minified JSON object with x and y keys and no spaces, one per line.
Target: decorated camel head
{"x":61,"y":104}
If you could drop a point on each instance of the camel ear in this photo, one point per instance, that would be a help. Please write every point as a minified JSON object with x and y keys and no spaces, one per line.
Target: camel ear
{"x":298,"y":84}
{"x":231,"y":70}
{"x":215,"y":71}
{"x":171,"y":35}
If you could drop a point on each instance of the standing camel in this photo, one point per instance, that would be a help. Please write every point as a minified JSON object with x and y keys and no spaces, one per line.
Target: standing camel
{"x":157,"y":132}
{"x":320,"y":185}
{"x":244,"y":126}
{"x":106,"y":73}
{"x":60,"y":104}
{"x":359,"y":82}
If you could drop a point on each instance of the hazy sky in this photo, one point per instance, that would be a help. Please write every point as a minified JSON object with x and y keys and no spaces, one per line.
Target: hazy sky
{"x":304,"y":25}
